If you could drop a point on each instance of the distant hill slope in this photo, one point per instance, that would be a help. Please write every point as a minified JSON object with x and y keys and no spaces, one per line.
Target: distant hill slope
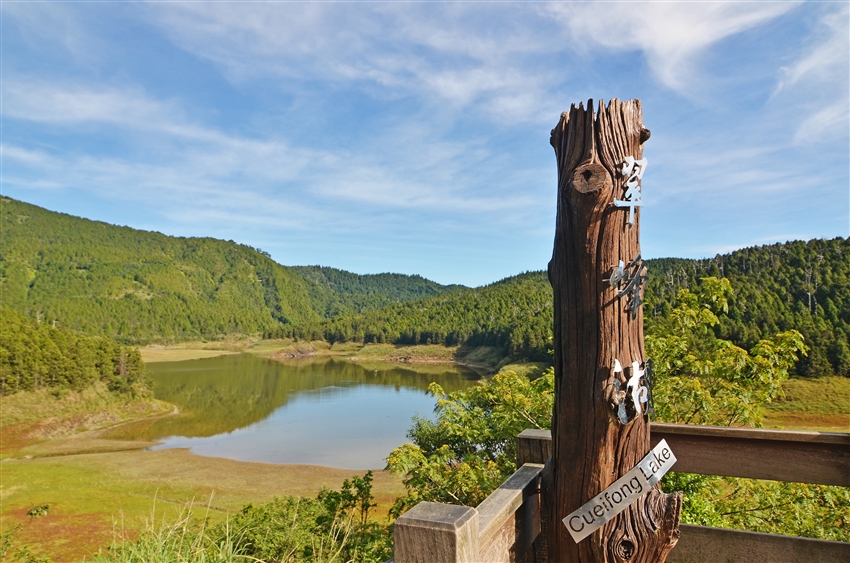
{"x":139,"y":286}
{"x":358,"y":293}
{"x":514,"y":314}
{"x":801,"y":285}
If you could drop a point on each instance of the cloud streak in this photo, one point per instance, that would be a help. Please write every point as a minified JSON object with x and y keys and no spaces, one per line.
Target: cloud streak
{"x":671,"y":35}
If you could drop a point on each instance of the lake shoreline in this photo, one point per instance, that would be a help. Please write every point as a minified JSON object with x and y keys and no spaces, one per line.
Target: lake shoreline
{"x":483,"y":359}
{"x":93,"y":483}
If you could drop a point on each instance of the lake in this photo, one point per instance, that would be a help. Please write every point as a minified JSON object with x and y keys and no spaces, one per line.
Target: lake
{"x":320,"y":411}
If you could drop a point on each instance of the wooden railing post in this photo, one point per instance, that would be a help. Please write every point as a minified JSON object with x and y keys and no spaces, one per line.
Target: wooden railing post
{"x":431,"y":532}
{"x":533,"y":446}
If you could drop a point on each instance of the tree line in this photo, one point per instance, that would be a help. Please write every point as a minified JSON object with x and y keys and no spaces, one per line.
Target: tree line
{"x":797,"y":285}
{"x":35,"y":355}
{"x":514,"y":314}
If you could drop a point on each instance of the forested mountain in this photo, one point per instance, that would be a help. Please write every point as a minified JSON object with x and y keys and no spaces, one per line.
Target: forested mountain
{"x":139,"y":286}
{"x":514,"y":314}
{"x":356,"y":293}
{"x":801,"y":285}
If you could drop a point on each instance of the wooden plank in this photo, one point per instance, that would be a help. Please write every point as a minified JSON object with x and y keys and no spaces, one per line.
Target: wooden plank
{"x":753,"y":433}
{"x":699,"y":544}
{"x":804,"y":457}
{"x":500,"y":506}
{"x":780,"y":455}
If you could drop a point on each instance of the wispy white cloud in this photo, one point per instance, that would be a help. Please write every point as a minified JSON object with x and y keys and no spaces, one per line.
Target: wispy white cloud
{"x":827,"y":55}
{"x":829,"y":122}
{"x":817,"y":81}
{"x":671,"y":35}
{"x":203,"y":163}
{"x":396,"y":119}
{"x":504,"y":62}
{"x":54,"y":27}
{"x":52,"y":102}
{"x":466,"y":56}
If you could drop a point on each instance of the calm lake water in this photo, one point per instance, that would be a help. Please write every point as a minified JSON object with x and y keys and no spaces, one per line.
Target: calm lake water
{"x":324,"y":411}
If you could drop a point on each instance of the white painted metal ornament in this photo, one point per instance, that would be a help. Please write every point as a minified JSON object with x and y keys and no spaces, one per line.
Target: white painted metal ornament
{"x":633,"y":171}
{"x":634,"y":389}
{"x":617,"y":274}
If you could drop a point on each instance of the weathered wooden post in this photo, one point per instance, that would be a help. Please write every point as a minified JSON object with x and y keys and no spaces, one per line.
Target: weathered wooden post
{"x":600,"y":429}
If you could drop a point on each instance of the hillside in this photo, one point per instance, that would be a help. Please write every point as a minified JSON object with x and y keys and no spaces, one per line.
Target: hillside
{"x":514,"y":314}
{"x":802,"y":285}
{"x":358,"y":293}
{"x":140,"y":286}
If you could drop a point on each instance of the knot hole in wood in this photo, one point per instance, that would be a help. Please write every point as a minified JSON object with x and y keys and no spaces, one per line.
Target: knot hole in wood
{"x":625,"y":549}
{"x":591,"y":177}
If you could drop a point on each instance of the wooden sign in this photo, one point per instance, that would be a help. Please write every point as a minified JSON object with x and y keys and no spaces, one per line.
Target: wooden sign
{"x":621,"y":494}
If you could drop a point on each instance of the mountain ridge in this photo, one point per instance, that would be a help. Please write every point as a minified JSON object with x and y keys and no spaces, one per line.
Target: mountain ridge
{"x":142,"y":286}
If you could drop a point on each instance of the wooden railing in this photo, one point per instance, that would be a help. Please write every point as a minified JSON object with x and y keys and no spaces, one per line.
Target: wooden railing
{"x":506,"y":527}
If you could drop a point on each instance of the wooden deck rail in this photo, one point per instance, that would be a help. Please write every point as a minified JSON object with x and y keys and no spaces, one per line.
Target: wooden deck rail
{"x":502,"y":528}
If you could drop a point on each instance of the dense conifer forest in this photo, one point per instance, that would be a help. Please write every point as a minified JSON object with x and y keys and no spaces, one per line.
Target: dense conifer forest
{"x":795,"y":285}
{"x":138,"y":286}
{"x":514,"y":314}
{"x":35,"y":355}
{"x":357,"y":293}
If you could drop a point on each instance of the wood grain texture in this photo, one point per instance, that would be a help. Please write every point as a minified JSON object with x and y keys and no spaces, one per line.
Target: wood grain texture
{"x":591,"y":448}
{"x":821,"y":458}
{"x":699,"y":544}
{"x":432,"y":532}
{"x":803,"y":457}
{"x":521,"y":488}
{"x":533,"y":446}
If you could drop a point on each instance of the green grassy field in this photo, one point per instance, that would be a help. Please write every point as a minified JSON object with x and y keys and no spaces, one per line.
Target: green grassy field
{"x":812,"y":404}
{"x":90,"y":494}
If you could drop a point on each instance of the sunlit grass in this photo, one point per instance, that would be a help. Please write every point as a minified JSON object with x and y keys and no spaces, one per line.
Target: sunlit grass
{"x":824,"y":395}
{"x":47,"y":403}
{"x":182,"y":539}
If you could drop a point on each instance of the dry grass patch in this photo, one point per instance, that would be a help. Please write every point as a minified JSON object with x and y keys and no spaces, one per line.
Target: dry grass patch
{"x":89,"y":408}
{"x":173,"y":354}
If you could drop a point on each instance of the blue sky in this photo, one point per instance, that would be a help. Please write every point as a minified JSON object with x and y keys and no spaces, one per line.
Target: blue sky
{"x":413,"y":137}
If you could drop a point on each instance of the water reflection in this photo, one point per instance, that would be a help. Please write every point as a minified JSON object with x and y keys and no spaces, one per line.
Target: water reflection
{"x":323,"y":411}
